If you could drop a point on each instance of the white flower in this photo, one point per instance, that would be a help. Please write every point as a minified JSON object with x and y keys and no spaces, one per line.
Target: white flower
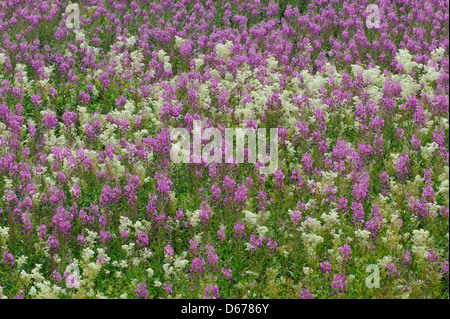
{"x":223,"y":50}
{"x":21,"y":261}
{"x":4,"y":235}
{"x":72,"y":281}
{"x":91,"y":270}
{"x":250,"y":218}
{"x":2,"y":58}
{"x":421,"y":237}
{"x":79,"y":35}
{"x":330,"y":219}
{"x":404,"y":58}
{"x":272,"y":63}
{"x":438,"y":53}
{"x":307,"y":271}
{"x":131,"y":41}
{"x":199,"y":62}
{"x":262,"y":231}
{"x":87,"y":254}
{"x":179,"y":41}
{"x":194,"y":217}
{"x":363,"y":234}
{"x":386,"y":260}
{"x":163,"y":57}
{"x":179,"y":263}
{"x":32,"y":291}
{"x":168,"y":270}
{"x":124,"y":263}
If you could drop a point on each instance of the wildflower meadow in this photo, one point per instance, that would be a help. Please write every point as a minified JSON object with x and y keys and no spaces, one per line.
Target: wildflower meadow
{"x":344,"y":194}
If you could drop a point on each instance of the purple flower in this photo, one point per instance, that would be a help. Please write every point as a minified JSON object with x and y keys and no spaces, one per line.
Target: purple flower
{"x":433,"y":257}
{"x":142,"y":240}
{"x":194,"y":247}
{"x":384,"y":183}
{"x":56,"y":276}
{"x":50,"y":120}
{"x":198,"y":267}
{"x":262,"y":200}
{"x":346,"y":252}
{"x":221,"y":235}
{"x":406,"y":259}
{"x":296,"y":217}
{"x":415,"y":142}
{"x":105,"y":237}
{"x":241,"y":195}
{"x":213,"y":261}
{"x":8,"y":259}
{"x":428,"y":194}
{"x":212,"y":292}
{"x":42,"y":231}
{"x":141,"y":291}
{"x":444,"y":267}
{"x":168,"y":288}
{"x":69,"y":118}
{"x":393,"y":272}
{"x":152,"y":205}
{"x":325,"y":267}
{"x":81,"y":241}
{"x":53,"y":244}
{"x":278,"y":178}
{"x":205,"y":213}
{"x":305,"y":294}
{"x":402,"y":167}
{"x":164,"y":186}
{"x":226,"y":273}
{"x":358,"y":213}
{"x":168,"y":251}
{"x":339,"y":285}
{"x":342,"y":205}
{"x":239,"y":230}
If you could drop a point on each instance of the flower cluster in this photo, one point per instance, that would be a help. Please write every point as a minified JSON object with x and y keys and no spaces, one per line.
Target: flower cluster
{"x":93,"y":206}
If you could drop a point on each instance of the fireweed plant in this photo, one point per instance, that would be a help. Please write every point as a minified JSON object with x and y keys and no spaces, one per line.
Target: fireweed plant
{"x":91,"y":206}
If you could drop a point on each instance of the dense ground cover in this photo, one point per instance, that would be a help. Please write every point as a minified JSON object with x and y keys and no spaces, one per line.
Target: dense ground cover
{"x":92,"y":206}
